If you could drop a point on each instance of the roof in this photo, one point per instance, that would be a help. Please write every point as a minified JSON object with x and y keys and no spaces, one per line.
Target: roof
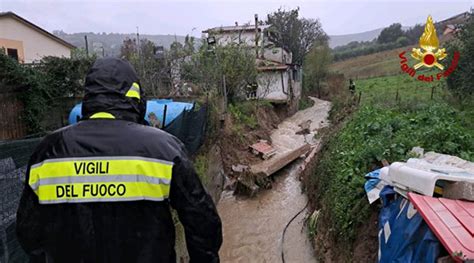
{"x":37,"y":28}
{"x":452,"y":221}
{"x":235,"y":28}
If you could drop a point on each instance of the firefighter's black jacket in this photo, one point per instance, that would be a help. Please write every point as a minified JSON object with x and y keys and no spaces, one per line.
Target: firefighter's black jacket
{"x":132,"y":231}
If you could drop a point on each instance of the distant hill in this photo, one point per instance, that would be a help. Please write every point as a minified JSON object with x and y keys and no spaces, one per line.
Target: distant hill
{"x":111,"y":42}
{"x":340,"y":40}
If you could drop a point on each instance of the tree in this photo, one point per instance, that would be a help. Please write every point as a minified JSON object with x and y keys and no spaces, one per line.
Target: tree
{"x":296,"y":34}
{"x":128,"y":49}
{"x":390,"y":34}
{"x":211,"y":65}
{"x":461,"y":80}
{"x":154,"y":73}
{"x":413,"y":34}
{"x":316,"y":66}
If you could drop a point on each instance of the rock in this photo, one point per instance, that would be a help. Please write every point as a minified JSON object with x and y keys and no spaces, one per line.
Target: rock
{"x":305,"y":127}
{"x":418,"y":152}
{"x":239,"y":168}
{"x":229,"y":184}
{"x":459,"y":190}
{"x":246,"y":186}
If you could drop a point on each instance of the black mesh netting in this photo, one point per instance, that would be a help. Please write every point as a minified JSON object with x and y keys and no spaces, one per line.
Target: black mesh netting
{"x":14,"y":156}
{"x":189,"y":127}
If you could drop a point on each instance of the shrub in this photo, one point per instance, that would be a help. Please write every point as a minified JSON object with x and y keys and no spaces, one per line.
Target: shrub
{"x":374,"y":134}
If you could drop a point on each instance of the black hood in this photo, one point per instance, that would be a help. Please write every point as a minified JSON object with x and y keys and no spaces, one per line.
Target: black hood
{"x":107,"y":84}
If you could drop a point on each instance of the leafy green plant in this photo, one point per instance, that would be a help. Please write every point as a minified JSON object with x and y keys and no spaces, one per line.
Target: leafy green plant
{"x":42,"y":87}
{"x":244,"y":113}
{"x":201,"y":166}
{"x":375,"y":133}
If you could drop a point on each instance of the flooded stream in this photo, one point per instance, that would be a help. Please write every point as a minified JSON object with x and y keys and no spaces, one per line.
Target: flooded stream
{"x":253,"y":227}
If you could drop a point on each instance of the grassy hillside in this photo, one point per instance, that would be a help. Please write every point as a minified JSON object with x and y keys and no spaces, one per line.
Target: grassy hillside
{"x":378,"y":64}
{"x":410,"y":91}
{"x":381,"y":128}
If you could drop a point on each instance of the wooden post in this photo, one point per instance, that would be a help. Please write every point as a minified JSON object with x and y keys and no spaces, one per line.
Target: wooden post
{"x":360,"y":95}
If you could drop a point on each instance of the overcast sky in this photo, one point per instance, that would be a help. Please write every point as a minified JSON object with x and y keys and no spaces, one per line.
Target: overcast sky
{"x":183,"y":17}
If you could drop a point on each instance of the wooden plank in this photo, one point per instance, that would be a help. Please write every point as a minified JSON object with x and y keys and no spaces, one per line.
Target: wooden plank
{"x":443,"y":221}
{"x":279,"y":161}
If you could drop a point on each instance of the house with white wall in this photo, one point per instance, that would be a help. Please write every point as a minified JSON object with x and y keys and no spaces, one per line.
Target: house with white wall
{"x":279,"y":80}
{"x":27,"y":42}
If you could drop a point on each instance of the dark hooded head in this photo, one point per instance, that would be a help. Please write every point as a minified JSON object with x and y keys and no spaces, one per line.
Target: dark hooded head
{"x":112,"y":86}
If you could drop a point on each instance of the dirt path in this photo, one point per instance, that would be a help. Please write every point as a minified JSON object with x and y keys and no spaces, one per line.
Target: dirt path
{"x":253,"y":227}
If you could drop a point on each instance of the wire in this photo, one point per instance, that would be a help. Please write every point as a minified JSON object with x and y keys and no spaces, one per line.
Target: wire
{"x":286,"y":227}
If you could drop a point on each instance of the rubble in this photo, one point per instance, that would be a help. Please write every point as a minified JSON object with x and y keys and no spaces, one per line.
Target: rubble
{"x":263,"y":148}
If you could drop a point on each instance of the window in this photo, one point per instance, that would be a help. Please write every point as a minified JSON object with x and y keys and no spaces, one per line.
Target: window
{"x":13,"y":53}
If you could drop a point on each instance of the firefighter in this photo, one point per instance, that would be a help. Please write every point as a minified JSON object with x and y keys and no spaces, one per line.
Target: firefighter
{"x":101,"y":190}
{"x":352,"y":87}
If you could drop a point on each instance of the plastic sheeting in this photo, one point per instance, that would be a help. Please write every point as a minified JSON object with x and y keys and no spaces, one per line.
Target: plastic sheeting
{"x":173,"y":110}
{"x":403,"y":234}
{"x":153,"y":107}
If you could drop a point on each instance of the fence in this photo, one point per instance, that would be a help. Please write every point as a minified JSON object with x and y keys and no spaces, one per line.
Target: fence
{"x":190,"y":127}
{"x":11,"y":126}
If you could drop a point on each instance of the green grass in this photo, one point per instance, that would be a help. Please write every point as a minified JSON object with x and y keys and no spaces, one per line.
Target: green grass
{"x":201,"y":166}
{"x":385,"y":128}
{"x":373,"y":134}
{"x":305,"y":103}
{"x":244,"y":113}
{"x":383,"y":63}
{"x":384,"y":90}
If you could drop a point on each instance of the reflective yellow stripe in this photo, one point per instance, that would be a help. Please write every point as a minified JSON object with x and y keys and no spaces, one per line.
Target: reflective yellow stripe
{"x":102,"y":115}
{"x":134,"y":91}
{"x":101,"y":192}
{"x":143,"y":178}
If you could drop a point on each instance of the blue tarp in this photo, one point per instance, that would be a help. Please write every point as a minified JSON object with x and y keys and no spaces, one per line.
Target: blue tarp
{"x":174,"y":109}
{"x":403,"y":234}
{"x":75,"y":115}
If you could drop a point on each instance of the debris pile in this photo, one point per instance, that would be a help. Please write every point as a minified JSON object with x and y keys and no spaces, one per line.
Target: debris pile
{"x":427,"y":208}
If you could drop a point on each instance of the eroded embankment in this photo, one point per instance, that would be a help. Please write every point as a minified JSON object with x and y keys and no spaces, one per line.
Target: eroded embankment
{"x":253,"y":227}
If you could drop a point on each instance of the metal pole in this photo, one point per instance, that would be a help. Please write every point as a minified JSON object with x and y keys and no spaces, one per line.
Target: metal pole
{"x":225,"y":93}
{"x":256,"y":35}
{"x":87,"y":46}
{"x":164,"y":116}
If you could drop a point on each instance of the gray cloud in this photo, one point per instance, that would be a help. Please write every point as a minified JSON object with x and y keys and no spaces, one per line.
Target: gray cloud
{"x":180,"y":17}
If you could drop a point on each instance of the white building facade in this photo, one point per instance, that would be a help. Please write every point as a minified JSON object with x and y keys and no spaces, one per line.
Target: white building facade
{"x":279,"y":80}
{"x":26,"y":42}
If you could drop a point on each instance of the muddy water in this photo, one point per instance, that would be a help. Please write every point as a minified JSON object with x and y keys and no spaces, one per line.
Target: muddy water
{"x":253,"y":227}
